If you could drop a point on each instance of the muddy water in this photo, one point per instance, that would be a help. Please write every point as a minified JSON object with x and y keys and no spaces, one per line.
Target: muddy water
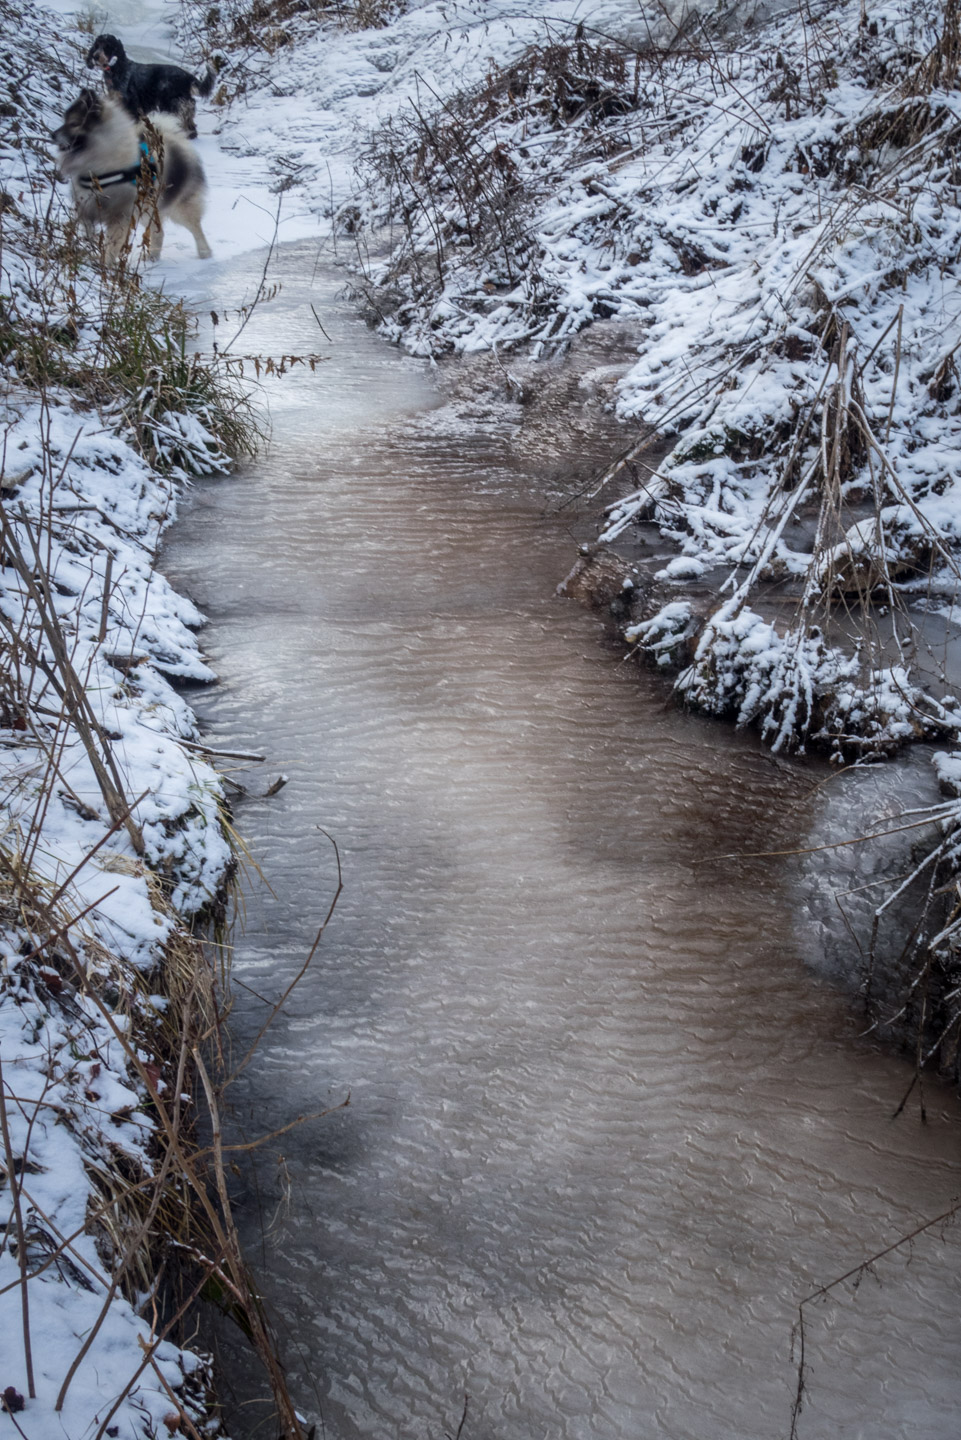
{"x":605,"y":1127}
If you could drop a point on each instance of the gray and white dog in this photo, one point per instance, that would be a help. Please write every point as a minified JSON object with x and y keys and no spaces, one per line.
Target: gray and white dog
{"x":122,"y":172}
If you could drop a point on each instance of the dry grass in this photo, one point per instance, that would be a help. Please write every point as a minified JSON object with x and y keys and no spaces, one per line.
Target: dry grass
{"x":97,"y":332}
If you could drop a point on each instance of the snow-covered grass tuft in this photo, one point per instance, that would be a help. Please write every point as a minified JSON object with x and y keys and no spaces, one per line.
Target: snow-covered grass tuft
{"x":96,"y":334}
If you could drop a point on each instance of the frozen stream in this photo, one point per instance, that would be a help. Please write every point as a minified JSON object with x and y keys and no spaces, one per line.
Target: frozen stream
{"x":605,"y":1128}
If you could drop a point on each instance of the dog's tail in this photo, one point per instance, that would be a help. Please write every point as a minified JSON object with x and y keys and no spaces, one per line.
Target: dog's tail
{"x":203,"y":87}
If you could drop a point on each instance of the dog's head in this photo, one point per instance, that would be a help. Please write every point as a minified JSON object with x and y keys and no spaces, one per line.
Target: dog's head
{"x":106,"y":52}
{"x":81,"y":119}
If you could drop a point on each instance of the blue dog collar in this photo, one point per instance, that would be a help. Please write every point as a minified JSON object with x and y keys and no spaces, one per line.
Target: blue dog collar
{"x":129,"y":176}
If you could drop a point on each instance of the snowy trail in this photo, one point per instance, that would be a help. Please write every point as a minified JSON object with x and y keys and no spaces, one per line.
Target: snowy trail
{"x":242,"y":206}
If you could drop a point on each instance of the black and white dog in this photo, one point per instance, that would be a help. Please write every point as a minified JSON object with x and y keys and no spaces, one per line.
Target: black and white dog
{"x":123,"y":172}
{"x":145,"y":89}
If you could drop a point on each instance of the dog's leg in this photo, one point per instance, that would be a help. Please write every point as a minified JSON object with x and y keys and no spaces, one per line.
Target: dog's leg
{"x":204,"y":251}
{"x":116,"y":235}
{"x":154,"y":237}
{"x":87,"y":212}
{"x":187,"y":115}
{"x":188,"y":212}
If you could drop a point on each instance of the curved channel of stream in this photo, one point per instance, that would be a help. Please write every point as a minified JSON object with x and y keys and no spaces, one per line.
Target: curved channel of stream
{"x":606,"y":1127}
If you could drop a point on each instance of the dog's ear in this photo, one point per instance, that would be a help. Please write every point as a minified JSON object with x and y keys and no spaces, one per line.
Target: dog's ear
{"x":92,"y":103}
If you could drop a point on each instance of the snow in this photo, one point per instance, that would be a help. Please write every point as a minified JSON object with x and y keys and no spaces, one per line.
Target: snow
{"x":783,"y":233}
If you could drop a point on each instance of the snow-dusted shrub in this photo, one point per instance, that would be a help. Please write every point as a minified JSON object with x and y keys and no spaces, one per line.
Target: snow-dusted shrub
{"x":745,"y":670}
{"x":458,"y":179}
{"x":666,"y":636}
{"x":797,"y":688}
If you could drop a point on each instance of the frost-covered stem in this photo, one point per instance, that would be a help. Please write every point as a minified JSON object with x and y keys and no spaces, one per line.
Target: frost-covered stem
{"x":774,"y":534}
{"x":897,"y":372}
{"x":105,"y":603}
{"x":933,"y":858}
{"x":881,"y":547}
{"x":919,"y":978}
{"x":13,"y":1180}
{"x":922,"y":519}
{"x":832,"y":465}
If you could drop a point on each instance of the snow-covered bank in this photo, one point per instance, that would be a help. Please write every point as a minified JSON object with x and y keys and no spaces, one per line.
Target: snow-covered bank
{"x":112,"y":836}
